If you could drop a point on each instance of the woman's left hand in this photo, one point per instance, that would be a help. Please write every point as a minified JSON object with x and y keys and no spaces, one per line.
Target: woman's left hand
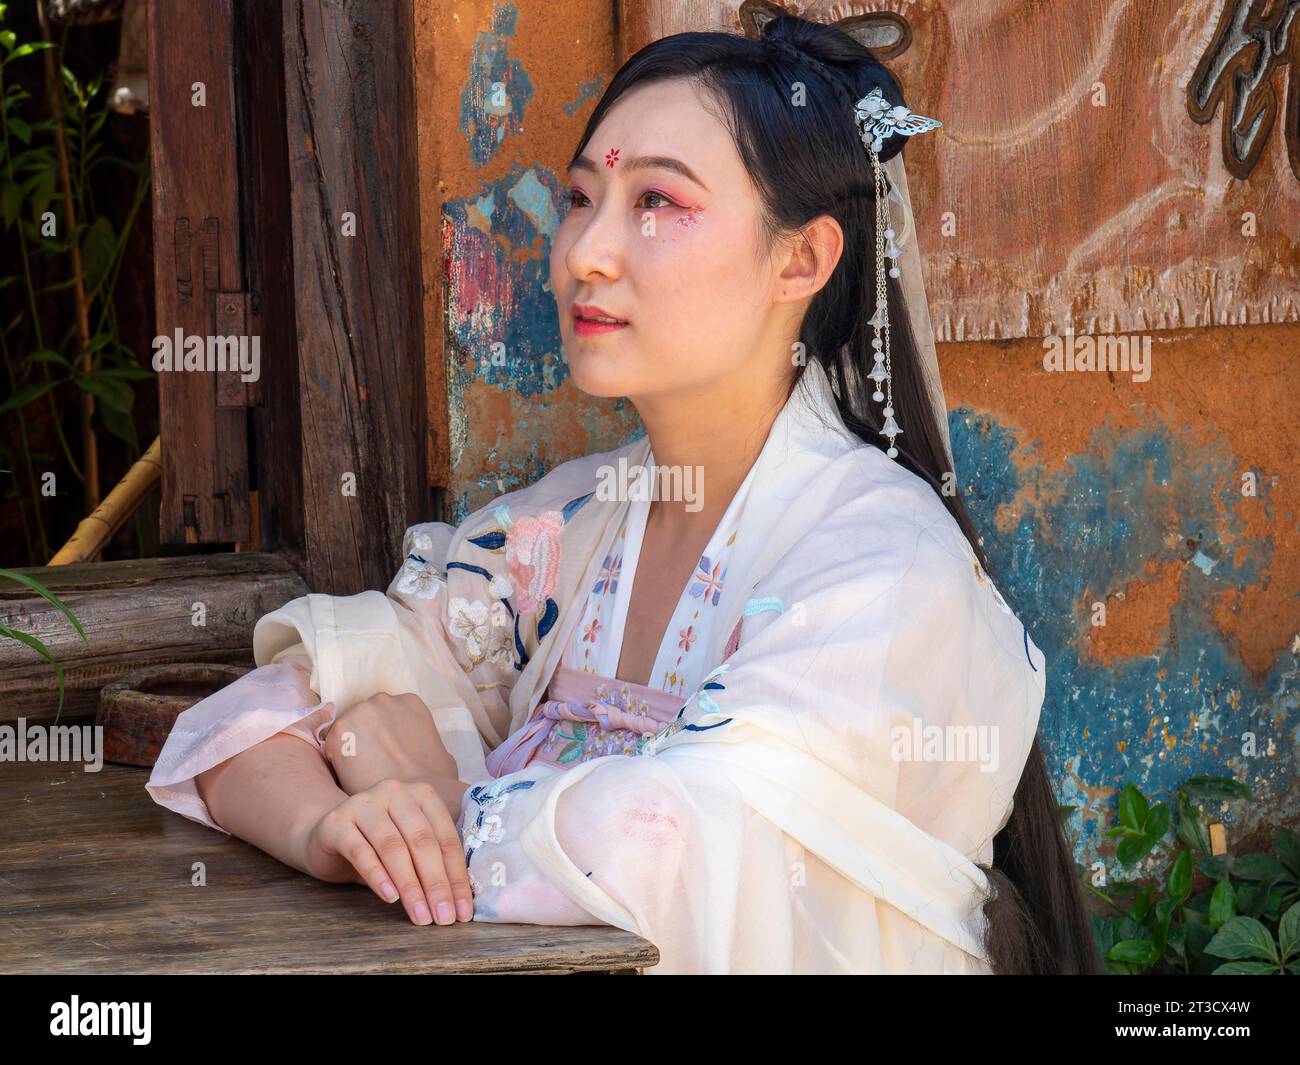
{"x":383,"y":737}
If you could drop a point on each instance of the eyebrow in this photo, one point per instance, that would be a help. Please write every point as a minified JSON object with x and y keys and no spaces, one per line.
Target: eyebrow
{"x":643,"y":162}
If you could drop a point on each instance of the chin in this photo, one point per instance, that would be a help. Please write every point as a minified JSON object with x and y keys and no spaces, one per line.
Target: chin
{"x":598,"y":374}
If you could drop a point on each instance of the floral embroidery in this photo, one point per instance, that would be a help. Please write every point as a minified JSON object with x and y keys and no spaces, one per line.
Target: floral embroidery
{"x":688,"y":636}
{"x":486,"y":826}
{"x":591,"y":631}
{"x":484,"y":640}
{"x":533,"y":556}
{"x":419,"y":577}
{"x":608,"y":579}
{"x":707,"y":580}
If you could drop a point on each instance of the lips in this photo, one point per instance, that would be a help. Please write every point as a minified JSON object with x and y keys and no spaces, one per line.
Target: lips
{"x":588,"y":312}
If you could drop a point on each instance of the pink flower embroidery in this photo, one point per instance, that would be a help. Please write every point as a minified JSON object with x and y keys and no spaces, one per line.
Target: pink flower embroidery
{"x":533,"y":556}
{"x":590,"y":632}
{"x":687,"y":635}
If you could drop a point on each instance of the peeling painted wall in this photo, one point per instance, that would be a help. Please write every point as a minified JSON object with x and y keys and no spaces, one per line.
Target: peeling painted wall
{"x":509,"y":90}
{"x":1092,"y":488}
{"x":1089,"y":488}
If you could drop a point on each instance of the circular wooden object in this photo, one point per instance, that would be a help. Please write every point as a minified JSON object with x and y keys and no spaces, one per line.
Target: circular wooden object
{"x":138,"y":710}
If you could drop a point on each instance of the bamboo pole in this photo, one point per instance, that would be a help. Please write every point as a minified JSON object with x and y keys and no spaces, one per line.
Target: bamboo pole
{"x":95,"y":531}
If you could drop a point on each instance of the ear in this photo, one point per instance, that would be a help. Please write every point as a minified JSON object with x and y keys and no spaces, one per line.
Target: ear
{"x":886,"y":33}
{"x":754,"y":16}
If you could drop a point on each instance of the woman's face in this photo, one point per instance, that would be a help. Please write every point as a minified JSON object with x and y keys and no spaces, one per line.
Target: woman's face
{"x":672,"y":248}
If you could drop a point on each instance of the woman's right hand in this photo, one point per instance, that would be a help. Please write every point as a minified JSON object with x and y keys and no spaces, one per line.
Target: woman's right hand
{"x":399,"y":838}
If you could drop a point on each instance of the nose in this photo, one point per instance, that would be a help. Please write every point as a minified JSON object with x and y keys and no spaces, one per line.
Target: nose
{"x":595,"y":247}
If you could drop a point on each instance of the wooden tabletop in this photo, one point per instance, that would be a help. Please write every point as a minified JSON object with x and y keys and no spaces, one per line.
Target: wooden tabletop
{"x":95,"y":877}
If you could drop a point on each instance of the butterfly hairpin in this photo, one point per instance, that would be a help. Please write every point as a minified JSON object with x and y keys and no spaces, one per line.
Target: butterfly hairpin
{"x":879,"y":120}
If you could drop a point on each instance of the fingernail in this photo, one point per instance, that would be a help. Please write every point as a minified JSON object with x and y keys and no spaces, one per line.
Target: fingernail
{"x":388,"y":891}
{"x":446,"y":915}
{"x":464,"y":910}
{"x":422,"y":913}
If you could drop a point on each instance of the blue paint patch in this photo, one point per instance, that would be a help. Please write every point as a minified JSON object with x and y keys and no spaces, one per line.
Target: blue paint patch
{"x":537,"y":202}
{"x":497,"y":90}
{"x":587,"y":90}
{"x":1133,"y":498}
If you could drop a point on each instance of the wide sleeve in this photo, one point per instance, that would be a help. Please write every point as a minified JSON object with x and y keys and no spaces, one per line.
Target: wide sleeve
{"x":273,"y":698}
{"x":321,"y":654}
{"x":401,"y":641}
{"x":821,"y":802}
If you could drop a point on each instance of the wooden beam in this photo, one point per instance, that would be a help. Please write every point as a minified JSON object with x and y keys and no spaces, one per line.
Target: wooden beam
{"x":354,"y":211}
{"x":197,"y":255}
{"x":137,"y":612}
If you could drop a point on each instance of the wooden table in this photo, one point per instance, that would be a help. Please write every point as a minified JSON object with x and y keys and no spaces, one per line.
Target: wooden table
{"x":95,"y":877}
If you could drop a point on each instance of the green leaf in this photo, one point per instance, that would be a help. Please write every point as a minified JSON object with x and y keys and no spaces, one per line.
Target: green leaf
{"x":1288,"y":932}
{"x":43,"y":194}
{"x":1223,"y":904}
{"x":1245,"y":968}
{"x":11,"y":197}
{"x":1257,"y":866}
{"x":24,"y":395}
{"x":45,"y":355}
{"x":1180,"y":877}
{"x":20,"y":129}
{"x":115,"y":393}
{"x":1191,"y":827}
{"x":1243,"y":937}
{"x":28,"y":49}
{"x":1133,"y":849}
{"x":97,"y":248}
{"x":7,"y":39}
{"x":1215,"y":866}
{"x":1216,"y":788}
{"x":1158,"y":820}
{"x":1137,"y":951}
{"x":40,"y":648}
{"x":40,"y":589}
{"x":1287,"y":845}
{"x":1133,"y":809}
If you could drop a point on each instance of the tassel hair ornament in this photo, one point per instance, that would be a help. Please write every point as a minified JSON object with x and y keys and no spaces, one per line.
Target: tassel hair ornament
{"x":877,"y":120}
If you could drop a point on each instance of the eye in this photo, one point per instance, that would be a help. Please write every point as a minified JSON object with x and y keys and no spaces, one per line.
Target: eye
{"x":574,"y":196}
{"x":667,"y":202}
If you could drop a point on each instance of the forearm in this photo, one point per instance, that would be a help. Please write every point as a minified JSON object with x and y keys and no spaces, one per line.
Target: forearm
{"x":271,"y":795}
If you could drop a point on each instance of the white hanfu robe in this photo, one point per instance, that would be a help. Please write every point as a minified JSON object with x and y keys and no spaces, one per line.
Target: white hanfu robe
{"x":856,"y":721}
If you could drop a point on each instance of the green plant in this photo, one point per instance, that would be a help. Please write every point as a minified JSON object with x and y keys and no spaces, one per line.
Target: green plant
{"x":1245,"y":920}
{"x":30,"y":640}
{"x":55,"y":261}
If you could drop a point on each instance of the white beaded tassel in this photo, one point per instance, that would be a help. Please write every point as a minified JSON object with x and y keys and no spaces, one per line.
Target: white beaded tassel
{"x":882,"y":372}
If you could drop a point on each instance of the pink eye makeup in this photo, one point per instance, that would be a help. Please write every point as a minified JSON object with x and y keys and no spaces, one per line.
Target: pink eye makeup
{"x":691,"y":218}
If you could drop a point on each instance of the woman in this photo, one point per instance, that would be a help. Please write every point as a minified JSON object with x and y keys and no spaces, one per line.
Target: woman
{"x":774,"y":726}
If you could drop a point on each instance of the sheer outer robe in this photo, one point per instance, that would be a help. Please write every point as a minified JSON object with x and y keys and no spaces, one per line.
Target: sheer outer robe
{"x":777,"y":828}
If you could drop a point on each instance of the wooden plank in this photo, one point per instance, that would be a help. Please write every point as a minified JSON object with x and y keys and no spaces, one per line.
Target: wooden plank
{"x":112,"y":891}
{"x":205,"y":491}
{"x":136,"y":612}
{"x":349,"y":91}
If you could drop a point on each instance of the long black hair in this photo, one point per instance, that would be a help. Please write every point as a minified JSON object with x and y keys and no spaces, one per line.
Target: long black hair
{"x":808,"y":161}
